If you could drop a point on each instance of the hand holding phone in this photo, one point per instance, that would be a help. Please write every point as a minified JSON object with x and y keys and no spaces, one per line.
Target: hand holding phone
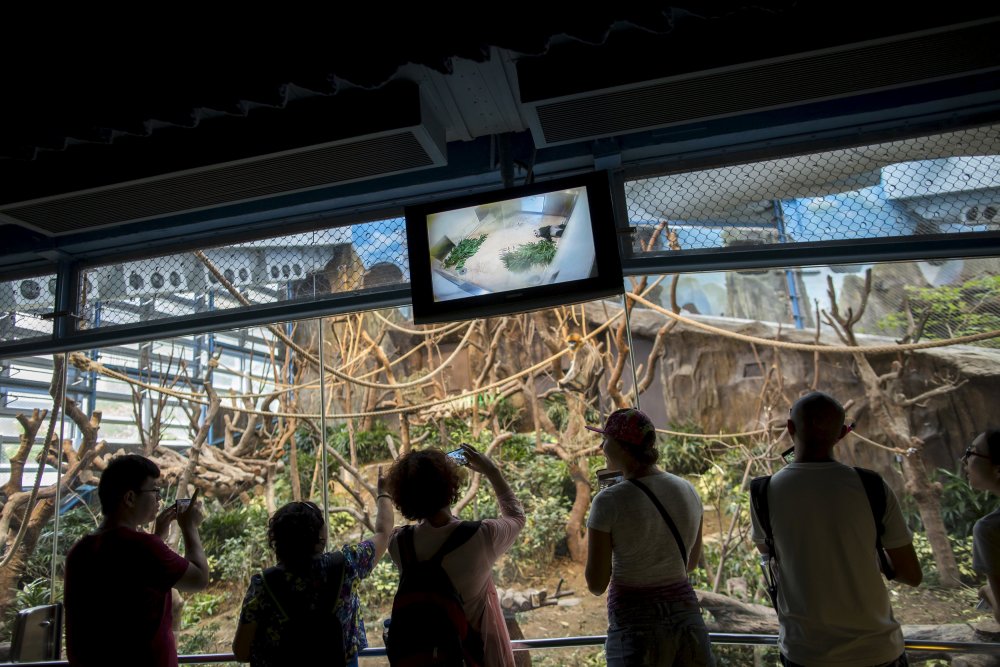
{"x":458,"y":456}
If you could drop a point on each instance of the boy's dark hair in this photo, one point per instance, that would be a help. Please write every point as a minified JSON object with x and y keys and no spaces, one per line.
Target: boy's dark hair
{"x":422,"y":482}
{"x":294,"y":531}
{"x":993,"y":445}
{"x":123,"y":474}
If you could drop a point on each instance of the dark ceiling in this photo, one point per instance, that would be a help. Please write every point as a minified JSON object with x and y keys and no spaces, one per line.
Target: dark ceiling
{"x":93,"y":100}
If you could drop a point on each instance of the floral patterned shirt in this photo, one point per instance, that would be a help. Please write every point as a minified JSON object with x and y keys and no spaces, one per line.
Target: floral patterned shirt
{"x":259,"y":608}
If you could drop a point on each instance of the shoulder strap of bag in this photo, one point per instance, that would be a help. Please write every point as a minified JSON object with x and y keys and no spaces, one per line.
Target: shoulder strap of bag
{"x":758,"y":503}
{"x":875,"y":490}
{"x":666,"y":517}
{"x":407,"y":551}
{"x":270,"y":578}
{"x":462,"y":534}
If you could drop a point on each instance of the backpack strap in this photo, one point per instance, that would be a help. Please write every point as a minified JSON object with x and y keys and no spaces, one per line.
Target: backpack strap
{"x":666,"y":517}
{"x":271,"y":578}
{"x":759,"y":506}
{"x":407,"y":552}
{"x":875,"y":490}
{"x":462,"y":534}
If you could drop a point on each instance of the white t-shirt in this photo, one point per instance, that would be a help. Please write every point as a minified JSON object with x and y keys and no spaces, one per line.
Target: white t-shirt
{"x":832,"y":602}
{"x":643,"y":550}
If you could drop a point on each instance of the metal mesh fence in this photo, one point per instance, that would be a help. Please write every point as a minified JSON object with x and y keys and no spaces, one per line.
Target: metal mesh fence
{"x":946,"y":183}
{"x":23,"y":303}
{"x":307,"y":266}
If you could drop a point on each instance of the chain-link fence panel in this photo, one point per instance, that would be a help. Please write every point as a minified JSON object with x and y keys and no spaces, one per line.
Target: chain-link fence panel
{"x":940,"y":184}
{"x":26,"y":306}
{"x":298,"y":267}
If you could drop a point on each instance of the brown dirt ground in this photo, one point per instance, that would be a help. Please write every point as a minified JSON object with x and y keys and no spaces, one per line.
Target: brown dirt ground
{"x":923,"y":605}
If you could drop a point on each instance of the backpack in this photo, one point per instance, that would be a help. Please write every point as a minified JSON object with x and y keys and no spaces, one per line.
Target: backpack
{"x":428,"y":625}
{"x":874,"y":489}
{"x":307,"y":636}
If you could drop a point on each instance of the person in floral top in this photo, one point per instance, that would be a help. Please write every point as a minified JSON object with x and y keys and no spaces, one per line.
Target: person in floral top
{"x":298,"y":535}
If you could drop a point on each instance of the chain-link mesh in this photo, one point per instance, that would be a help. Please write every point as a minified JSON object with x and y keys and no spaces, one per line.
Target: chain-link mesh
{"x":911,"y":301}
{"x":946,"y":183}
{"x":365,"y":256}
{"x":23,"y":305}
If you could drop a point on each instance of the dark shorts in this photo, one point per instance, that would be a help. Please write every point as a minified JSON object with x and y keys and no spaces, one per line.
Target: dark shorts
{"x":901,"y":661}
{"x":665,"y":633}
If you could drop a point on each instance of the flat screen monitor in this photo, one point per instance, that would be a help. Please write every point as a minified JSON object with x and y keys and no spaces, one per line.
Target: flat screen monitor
{"x":513,"y":250}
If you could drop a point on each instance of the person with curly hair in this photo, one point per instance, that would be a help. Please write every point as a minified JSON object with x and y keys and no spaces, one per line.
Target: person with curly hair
{"x":289,"y":608}
{"x":424,"y":484}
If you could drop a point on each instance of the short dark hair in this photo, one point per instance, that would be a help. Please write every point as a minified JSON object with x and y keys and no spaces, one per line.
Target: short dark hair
{"x":422,"y":482}
{"x":992,"y":437}
{"x":645,"y":452}
{"x":123,"y":474}
{"x":294,"y":531}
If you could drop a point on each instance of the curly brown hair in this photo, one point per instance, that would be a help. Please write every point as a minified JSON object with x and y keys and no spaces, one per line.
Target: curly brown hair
{"x":294,"y":531}
{"x":422,"y":482}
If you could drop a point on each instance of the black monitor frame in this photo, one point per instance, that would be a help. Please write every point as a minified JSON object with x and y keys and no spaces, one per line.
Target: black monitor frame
{"x":605,"y":280}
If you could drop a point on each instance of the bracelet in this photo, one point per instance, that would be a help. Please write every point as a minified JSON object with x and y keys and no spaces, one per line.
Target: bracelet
{"x":381,"y":496}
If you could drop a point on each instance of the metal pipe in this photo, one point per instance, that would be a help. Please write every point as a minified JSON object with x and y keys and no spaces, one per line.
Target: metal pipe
{"x":984,"y":648}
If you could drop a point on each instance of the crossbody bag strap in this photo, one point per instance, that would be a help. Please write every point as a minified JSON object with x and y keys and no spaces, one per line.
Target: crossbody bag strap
{"x":666,"y":517}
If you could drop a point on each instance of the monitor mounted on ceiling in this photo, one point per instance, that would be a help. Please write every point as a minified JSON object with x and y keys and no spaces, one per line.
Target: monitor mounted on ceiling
{"x":513,"y":250}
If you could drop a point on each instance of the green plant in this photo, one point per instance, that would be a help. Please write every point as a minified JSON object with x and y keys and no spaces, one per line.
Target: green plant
{"x":235,"y":541}
{"x":378,"y":588}
{"x":33,"y":594}
{"x":463,"y":251}
{"x":527,"y":255}
{"x":683,"y":456}
{"x":951,"y":310}
{"x":73,"y":525}
{"x":369,"y":445}
{"x":201,"y":640}
{"x":962,"y":548}
{"x":201,"y":605}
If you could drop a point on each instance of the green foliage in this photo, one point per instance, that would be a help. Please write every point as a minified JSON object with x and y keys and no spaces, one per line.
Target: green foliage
{"x":684,"y":456}
{"x":557,"y":411}
{"x":202,"y":605}
{"x":961,"y":505}
{"x":370,"y":445}
{"x":33,"y":594}
{"x":73,"y":525}
{"x":545,"y":528}
{"x":377,"y":589}
{"x":235,"y":542}
{"x":527,"y":255}
{"x":962,"y":548}
{"x":951,"y":310}
{"x":463,"y":251}
{"x":202,"y":640}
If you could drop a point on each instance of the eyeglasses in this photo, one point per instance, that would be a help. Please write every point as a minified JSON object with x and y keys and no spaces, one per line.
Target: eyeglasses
{"x":969,"y":451}
{"x":157,"y":491}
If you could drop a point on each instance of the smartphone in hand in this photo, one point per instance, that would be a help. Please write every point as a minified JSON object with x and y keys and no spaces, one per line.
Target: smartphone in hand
{"x":458,"y":456}
{"x":182,"y":504}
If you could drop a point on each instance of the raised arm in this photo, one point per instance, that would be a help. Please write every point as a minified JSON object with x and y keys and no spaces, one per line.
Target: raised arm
{"x":384,"y":518}
{"x":196,"y":577}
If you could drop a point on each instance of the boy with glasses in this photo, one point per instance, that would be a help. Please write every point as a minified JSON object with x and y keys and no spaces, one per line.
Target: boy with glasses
{"x":119,"y":579}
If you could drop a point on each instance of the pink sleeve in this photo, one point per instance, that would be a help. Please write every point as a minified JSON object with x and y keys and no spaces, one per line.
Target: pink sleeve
{"x":501,"y":533}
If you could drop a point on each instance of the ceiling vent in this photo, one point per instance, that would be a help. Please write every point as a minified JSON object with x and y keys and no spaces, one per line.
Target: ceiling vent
{"x":400,"y":136}
{"x":763,"y":85}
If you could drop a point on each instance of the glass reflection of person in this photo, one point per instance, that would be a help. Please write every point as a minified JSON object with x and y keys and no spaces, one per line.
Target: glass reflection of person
{"x":118,"y":597}
{"x":982,"y":468}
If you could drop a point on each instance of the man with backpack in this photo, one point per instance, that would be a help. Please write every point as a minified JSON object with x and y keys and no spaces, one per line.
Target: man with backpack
{"x":446,"y":611}
{"x":814,"y":523}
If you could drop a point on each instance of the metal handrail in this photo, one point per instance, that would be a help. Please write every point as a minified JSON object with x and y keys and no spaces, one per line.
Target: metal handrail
{"x":980,"y":648}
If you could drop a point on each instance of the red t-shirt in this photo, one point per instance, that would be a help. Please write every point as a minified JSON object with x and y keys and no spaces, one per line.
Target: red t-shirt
{"x":117,"y":600}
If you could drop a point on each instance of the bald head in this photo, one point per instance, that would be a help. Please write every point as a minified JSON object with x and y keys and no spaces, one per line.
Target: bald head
{"x":817,"y":422}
